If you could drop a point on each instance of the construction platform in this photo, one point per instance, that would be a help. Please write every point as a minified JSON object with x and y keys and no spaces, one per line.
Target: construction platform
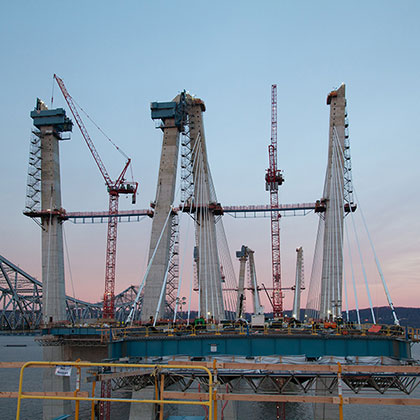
{"x":313,"y":343}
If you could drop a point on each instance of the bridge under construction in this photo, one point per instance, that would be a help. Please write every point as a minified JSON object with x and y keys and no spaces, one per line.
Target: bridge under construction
{"x":308,"y":358}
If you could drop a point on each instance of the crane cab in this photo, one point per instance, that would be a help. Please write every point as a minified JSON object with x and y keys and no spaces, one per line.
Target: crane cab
{"x":128,"y":188}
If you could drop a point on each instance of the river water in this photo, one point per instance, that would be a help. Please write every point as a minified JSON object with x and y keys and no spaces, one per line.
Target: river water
{"x":28,"y":349}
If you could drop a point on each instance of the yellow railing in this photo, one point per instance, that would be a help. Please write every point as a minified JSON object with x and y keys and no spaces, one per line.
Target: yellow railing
{"x":210,"y":397}
{"x":413,"y":334}
{"x":77,"y":397}
{"x":311,"y":329}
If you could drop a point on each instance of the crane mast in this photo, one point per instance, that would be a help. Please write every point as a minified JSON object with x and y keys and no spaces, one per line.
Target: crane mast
{"x":114,"y":190}
{"x":273,"y":179}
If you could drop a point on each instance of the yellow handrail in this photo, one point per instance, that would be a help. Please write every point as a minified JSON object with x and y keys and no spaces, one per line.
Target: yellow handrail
{"x":315,"y":329}
{"x":77,"y":398}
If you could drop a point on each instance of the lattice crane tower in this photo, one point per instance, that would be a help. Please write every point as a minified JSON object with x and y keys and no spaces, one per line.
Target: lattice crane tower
{"x":274,"y":178}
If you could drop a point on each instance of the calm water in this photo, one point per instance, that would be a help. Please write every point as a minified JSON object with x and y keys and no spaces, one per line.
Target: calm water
{"x":32,"y":410}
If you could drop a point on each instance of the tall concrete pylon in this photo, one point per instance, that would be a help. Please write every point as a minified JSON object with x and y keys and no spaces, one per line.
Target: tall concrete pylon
{"x":50,"y":125}
{"x":298,"y":284}
{"x":207,"y":255}
{"x":332,"y":259}
{"x":183,"y":115}
{"x":242,"y":255}
{"x":162,"y":219}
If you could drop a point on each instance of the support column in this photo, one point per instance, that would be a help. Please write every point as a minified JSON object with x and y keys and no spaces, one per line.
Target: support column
{"x":209,"y":271}
{"x":54,"y":294}
{"x":240,"y":302}
{"x":332,"y":260}
{"x":164,"y":198}
{"x":53,"y":383}
{"x":51,"y":123}
{"x":298,"y":284}
{"x":175,"y":115}
{"x":325,"y":411}
{"x":143,"y":411}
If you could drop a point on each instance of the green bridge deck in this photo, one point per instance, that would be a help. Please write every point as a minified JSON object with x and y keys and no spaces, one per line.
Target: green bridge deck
{"x":149,"y":342}
{"x":312,"y":346}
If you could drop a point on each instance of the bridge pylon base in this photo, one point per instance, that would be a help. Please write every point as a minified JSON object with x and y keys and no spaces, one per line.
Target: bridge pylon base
{"x":143,"y":411}
{"x":53,"y":383}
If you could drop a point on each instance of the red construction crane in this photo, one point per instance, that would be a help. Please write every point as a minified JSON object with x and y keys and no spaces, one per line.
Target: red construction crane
{"x":115,"y":188}
{"x":274,"y":178}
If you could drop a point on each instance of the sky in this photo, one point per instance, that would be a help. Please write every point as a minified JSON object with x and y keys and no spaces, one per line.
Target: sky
{"x":117,"y":57}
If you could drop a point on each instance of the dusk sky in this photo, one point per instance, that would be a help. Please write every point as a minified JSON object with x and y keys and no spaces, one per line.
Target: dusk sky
{"x":117,"y":57}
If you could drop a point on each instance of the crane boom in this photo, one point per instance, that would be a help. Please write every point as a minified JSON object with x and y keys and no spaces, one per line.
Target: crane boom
{"x":84,"y":132}
{"x":114,"y":190}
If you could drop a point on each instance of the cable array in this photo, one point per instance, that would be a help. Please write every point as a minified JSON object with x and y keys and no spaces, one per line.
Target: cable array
{"x":341,"y":204}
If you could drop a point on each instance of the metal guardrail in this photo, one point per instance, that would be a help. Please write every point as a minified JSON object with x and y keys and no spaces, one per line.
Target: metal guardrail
{"x":112,"y":334}
{"x":78,"y":396}
{"x":212,"y":396}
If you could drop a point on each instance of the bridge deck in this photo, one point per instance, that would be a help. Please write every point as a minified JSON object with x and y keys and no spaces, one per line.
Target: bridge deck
{"x":151,"y":342}
{"x":312,"y":346}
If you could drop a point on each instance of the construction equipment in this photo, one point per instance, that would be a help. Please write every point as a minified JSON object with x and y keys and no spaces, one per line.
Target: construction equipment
{"x":274,"y":178}
{"x":114,"y":188}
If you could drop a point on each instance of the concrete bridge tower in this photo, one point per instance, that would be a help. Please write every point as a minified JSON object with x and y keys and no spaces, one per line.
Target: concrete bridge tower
{"x":207,"y":209}
{"x":50,"y":124}
{"x":172,"y":124}
{"x":184,"y":115}
{"x":333,"y":197}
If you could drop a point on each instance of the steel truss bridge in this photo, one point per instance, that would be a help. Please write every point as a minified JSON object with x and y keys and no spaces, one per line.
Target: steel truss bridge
{"x":21,"y":301}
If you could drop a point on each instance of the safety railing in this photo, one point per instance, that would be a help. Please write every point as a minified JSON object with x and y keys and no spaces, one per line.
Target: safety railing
{"x":413,"y":334}
{"x":77,"y":395}
{"x":112,"y":334}
{"x":214,"y":393}
{"x":340,"y":396}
